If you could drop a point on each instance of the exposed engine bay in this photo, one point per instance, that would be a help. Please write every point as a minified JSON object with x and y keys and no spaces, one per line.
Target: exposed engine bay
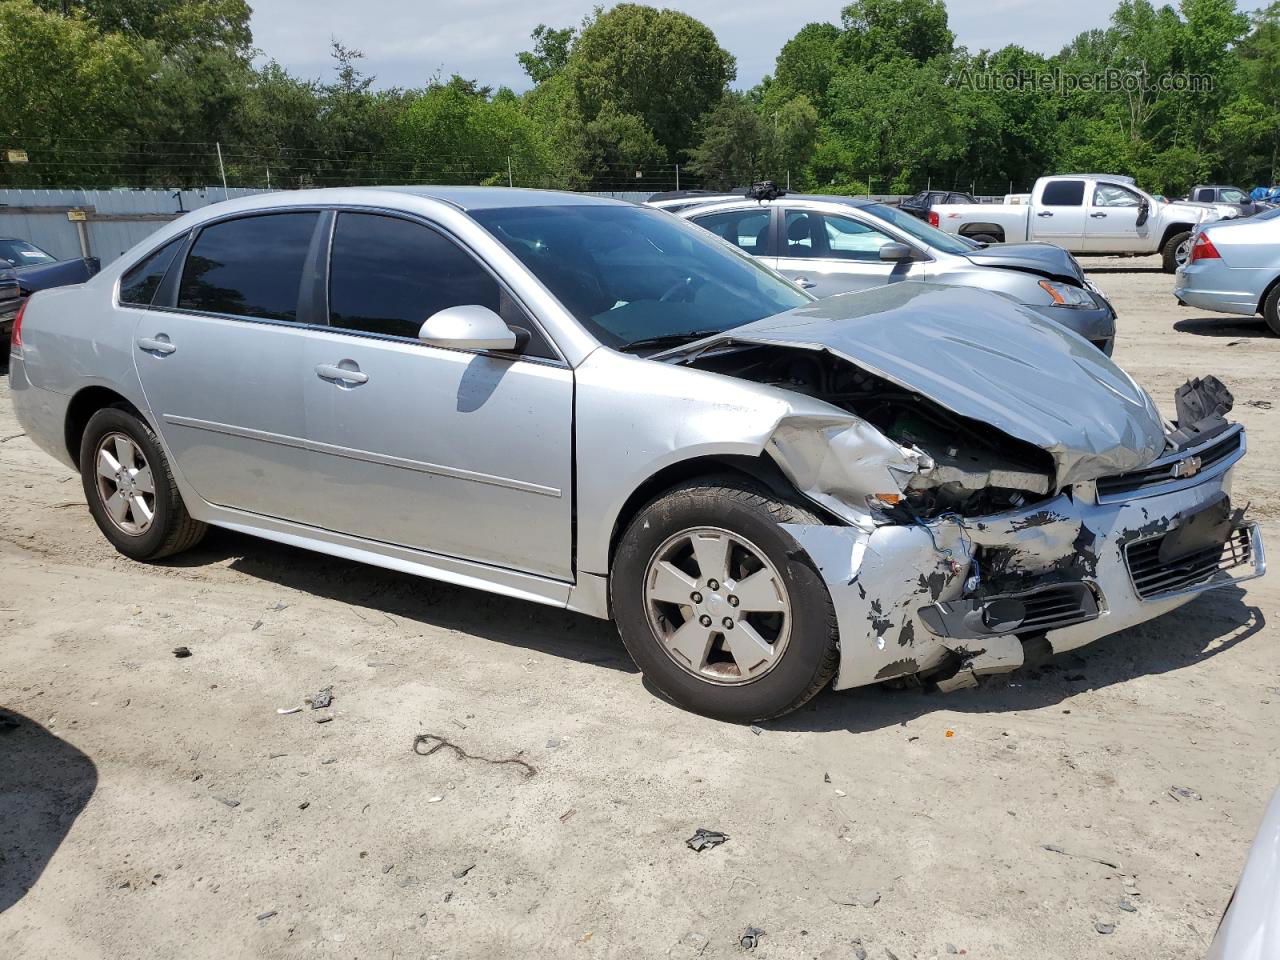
{"x":975,"y":469}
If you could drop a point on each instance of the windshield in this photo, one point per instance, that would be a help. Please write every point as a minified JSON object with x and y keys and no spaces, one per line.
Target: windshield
{"x":19,"y":253}
{"x":908,"y":224}
{"x":631,"y":274}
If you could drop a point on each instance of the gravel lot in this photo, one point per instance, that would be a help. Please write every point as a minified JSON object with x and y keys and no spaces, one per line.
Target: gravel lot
{"x":152,"y":806}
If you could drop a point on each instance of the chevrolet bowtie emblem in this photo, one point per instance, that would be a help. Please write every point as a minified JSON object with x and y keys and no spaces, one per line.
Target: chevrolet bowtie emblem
{"x":1187,"y":468}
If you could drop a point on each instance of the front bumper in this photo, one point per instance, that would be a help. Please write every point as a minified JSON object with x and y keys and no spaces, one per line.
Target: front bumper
{"x":1086,"y":547}
{"x":1097,"y":325}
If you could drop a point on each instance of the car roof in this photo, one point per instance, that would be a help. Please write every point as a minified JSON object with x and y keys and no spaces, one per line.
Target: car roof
{"x":492,"y":198}
{"x":704,"y":201}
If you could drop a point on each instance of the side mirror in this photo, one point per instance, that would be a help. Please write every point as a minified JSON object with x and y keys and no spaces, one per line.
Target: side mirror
{"x":896,"y":252}
{"x":470,"y":327}
{"x":1144,"y":211}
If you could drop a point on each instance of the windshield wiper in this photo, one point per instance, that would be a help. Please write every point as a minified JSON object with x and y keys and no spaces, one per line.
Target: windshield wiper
{"x":667,"y":340}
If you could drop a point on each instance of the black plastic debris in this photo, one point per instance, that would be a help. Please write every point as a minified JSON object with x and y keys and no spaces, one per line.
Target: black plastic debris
{"x":268,"y":915}
{"x":181,"y":652}
{"x":750,"y":938}
{"x":1104,"y":927}
{"x":463,"y":871}
{"x":704,"y":839}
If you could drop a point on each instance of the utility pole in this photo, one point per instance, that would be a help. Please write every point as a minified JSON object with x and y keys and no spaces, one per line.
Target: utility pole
{"x":223,"y":171}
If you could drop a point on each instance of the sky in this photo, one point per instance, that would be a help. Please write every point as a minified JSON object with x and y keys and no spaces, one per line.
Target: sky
{"x":406,"y":42}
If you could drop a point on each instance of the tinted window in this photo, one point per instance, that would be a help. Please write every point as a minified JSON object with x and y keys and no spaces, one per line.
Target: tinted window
{"x":630,"y":273}
{"x":1063,"y":193}
{"x":388,"y":276}
{"x":250,"y":267}
{"x":1205,"y":195}
{"x":140,"y":282}
{"x":748,"y":229}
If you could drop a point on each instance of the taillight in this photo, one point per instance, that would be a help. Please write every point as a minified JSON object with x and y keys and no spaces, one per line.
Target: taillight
{"x":1203,"y":249}
{"x":15,"y":337}
{"x":933,"y":218}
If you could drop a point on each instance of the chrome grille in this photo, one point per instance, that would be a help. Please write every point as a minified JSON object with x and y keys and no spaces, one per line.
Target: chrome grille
{"x":1155,"y":578}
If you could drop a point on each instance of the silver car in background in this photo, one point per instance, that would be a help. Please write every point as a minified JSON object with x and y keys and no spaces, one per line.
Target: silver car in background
{"x":594,"y":405}
{"x":1235,"y":268}
{"x":832,"y":245}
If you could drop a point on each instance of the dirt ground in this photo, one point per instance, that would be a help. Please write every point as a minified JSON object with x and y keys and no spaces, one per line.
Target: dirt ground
{"x":152,"y":806}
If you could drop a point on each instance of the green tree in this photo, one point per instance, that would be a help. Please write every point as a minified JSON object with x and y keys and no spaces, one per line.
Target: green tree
{"x":662,"y":66}
{"x":549,"y":55}
{"x":883,"y":30}
{"x":172,"y":24}
{"x":808,"y":60}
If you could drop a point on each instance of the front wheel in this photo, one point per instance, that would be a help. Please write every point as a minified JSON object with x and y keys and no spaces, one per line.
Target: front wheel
{"x":719,"y":606}
{"x":1176,"y":250}
{"x":130,"y":488}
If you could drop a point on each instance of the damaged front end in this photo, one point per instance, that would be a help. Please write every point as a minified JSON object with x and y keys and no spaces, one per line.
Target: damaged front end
{"x":986,"y":522}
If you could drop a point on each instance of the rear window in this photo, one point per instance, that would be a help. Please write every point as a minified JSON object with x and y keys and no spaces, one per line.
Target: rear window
{"x":1063,"y":193}
{"x":250,"y":267}
{"x":141,"y":281}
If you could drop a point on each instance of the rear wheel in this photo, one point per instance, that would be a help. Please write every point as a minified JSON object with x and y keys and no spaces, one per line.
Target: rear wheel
{"x":1176,"y":250}
{"x":130,"y":488}
{"x":719,"y":606}
{"x":984,"y":238}
{"x":1271,"y":309}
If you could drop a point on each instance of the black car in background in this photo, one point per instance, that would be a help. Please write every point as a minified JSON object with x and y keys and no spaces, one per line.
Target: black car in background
{"x":920,"y":205}
{"x":25,"y":268}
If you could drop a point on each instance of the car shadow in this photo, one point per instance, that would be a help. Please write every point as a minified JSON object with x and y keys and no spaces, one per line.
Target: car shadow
{"x":1090,"y":269}
{"x":44,"y":785}
{"x":1212,"y":623}
{"x":1227,"y":326}
{"x":431,"y":603}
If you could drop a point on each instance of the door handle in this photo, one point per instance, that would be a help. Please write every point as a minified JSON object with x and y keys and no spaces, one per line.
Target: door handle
{"x":158,"y":344}
{"x":1097,"y":215}
{"x":1045,"y":213}
{"x":804,"y":283}
{"x":331,"y":371}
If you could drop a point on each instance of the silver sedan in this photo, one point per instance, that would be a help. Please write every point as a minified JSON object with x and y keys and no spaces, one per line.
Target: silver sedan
{"x":1234,"y":268}
{"x":594,"y":405}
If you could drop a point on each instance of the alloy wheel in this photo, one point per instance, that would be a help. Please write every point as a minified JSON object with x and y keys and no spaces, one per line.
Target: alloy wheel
{"x":125,"y":484}
{"x":717,"y":605}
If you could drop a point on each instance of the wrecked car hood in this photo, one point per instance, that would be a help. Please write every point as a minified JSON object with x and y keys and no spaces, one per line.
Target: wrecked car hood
{"x":985,"y":357}
{"x":1042,"y":258}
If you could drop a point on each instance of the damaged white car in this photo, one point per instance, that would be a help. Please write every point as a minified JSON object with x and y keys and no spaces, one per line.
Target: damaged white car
{"x":591,"y":404}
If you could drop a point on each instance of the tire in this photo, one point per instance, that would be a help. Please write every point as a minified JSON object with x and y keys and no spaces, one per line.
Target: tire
{"x":170,"y":529}
{"x":984,"y":238}
{"x":1170,"y":251}
{"x":1271,"y":309}
{"x":803,"y":638}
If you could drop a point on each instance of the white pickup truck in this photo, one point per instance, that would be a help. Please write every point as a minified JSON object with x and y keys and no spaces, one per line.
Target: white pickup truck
{"x":1088,"y":213}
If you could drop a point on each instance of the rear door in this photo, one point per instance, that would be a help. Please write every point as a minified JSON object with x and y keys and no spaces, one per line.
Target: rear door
{"x":831,"y":253}
{"x":1059,"y":214}
{"x":1112,"y":223}
{"x":464,"y":453}
{"x":220,"y":356}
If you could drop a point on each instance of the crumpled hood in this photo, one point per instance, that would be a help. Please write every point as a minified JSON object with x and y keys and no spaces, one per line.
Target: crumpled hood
{"x":1042,"y":258}
{"x":986,"y":357}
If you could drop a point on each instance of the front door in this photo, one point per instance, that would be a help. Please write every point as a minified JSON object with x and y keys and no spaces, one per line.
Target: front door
{"x":834,"y":253}
{"x":1112,"y":223}
{"x":462,"y":453}
{"x":220,"y":357}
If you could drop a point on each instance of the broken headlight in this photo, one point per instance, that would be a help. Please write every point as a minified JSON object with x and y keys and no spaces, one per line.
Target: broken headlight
{"x":1065,"y":295}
